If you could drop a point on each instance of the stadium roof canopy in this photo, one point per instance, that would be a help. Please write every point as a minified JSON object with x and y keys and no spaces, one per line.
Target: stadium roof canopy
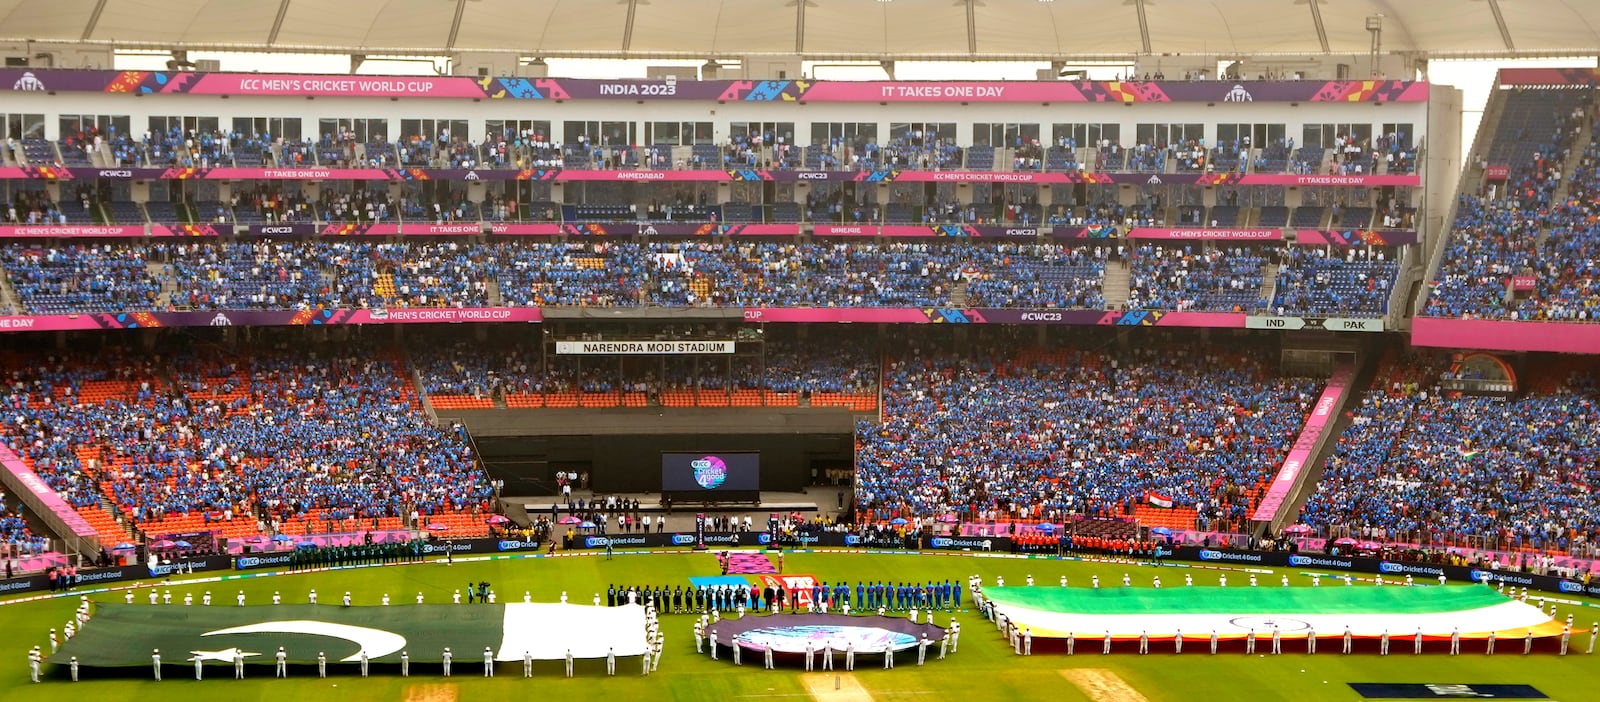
{"x":821,"y":29}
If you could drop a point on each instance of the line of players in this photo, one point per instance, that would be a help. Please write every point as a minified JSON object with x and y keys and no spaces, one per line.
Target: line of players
{"x":823,"y":597}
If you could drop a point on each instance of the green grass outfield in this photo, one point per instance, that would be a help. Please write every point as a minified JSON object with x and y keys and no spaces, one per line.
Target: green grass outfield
{"x":984,"y":669}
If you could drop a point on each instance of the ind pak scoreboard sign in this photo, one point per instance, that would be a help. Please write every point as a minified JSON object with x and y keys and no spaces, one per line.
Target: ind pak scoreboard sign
{"x":642,"y":348}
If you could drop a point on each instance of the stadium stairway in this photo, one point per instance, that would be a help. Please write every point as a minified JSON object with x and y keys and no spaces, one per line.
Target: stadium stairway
{"x":1568,"y":167}
{"x":1115,"y":287}
{"x":1328,"y":442}
{"x":1269,"y":282}
{"x":169,"y":283}
{"x":9,"y":303}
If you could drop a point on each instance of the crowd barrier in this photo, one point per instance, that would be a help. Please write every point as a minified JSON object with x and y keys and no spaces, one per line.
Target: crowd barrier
{"x":37,"y":582}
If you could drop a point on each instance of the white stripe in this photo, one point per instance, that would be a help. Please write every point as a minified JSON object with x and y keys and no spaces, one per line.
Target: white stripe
{"x":1506,"y":617}
{"x":548,"y":630}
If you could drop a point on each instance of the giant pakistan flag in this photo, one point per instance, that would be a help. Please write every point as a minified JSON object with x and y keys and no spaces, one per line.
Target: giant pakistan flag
{"x":124,"y":635}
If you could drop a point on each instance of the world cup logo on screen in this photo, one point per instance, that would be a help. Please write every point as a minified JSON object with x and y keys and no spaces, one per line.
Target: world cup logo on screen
{"x":709,"y":472}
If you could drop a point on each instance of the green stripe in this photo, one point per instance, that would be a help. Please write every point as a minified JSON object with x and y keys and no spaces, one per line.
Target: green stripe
{"x":123,"y":635}
{"x":1328,"y":599}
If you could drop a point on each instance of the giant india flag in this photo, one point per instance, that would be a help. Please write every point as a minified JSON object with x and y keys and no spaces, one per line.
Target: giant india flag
{"x":1233,"y":612}
{"x":123,"y":635}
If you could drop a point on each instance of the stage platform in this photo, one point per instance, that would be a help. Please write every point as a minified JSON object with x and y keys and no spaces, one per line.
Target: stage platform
{"x":822,"y":501}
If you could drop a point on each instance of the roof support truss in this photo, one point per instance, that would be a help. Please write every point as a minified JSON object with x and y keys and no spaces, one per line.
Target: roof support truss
{"x":1144,"y":26}
{"x":1500,"y":21}
{"x":455,"y":23}
{"x":1316,"y":19}
{"x":94,"y":20}
{"x":277,"y":22}
{"x":627,"y":27}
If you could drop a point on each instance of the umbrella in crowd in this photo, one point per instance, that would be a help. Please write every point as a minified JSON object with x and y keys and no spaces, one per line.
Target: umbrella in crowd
{"x":1369,"y":545}
{"x":182,"y":544}
{"x":569,"y":519}
{"x":586,"y":525}
{"x":497,"y":519}
{"x":898,"y":521}
{"x":1297,"y":529}
{"x":283,"y":538}
{"x":124,"y":546}
{"x":1161,"y":530}
{"x":164,"y":543}
{"x":1344,"y":541}
{"x":1048,"y":527}
{"x":438,"y":527}
{"x":306,"y":544}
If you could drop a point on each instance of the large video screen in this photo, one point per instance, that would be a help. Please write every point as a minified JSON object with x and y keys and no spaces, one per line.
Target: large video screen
{"x":702,"y":472}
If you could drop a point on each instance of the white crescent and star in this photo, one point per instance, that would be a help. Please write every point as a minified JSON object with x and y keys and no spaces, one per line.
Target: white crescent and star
{"x":376,"y":642}
{"x":225,"y":655}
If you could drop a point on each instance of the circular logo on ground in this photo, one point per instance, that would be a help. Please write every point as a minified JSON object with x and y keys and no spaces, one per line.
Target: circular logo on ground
{"x":793,"y":639}
{"x":1265,"y":623}
{"x":710,"y":472}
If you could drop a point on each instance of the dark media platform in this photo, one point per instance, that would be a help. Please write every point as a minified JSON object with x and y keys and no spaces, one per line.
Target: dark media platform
{"x":721,"y":471}
{"x":1437,"y":691}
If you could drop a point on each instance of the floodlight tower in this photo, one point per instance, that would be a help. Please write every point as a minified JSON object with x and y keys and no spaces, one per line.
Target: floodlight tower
{"x":1375,"y":28}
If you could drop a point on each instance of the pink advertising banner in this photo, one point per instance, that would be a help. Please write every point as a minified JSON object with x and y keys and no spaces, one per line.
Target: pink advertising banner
{"x":353,"y":229}
{"x":513,"y":229}
{"x":1208,"y":234}
{"x":1073,"y":177}
{"x":185,"y":230}
{"x":1506,"y":335}
{"x":49,"y":173}
{"x":329,"y":85}
{"x":49,"y":322}
{"x":436,"y":315}
{"x":1294,"y":463}
{"x":860,"y":315}
{"x":51,"y":80}
{"x":452,"y":229}
{"x":1214,"y":320}
{"x":43,"y":493}
{"x":867,"y":230}
{"x":70,"y":231}
{"x":307,"y":173}
{"x":646,"y":176}
{"x":764,"y":229}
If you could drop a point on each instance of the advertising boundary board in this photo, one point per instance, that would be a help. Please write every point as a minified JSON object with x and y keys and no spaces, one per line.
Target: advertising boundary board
{"x":36,"y":582}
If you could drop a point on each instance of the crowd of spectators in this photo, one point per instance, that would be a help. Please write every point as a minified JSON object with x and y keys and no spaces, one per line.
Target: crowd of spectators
{"x":268,"y":435}
{"x":1196,"y":278}
{"x":1425,"y":465}
{"x":88,"y":278}
{"x":991,"y":433}
{"x":1520,"y":229}
{"x":355,"y":273}
{"x":16,"y":539}
{"x":1326,"y":282}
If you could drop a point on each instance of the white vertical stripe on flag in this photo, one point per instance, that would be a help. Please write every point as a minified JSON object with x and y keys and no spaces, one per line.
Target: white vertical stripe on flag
{"x":547,"y":630}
